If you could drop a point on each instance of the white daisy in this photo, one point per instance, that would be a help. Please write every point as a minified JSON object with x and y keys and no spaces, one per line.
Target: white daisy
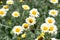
{"x":31,"y":20}
{"x":44,"y":27}
{"x":25,"y":7}
{"x":53,"y":39}
{"x":52,"y":28}
{"x":54,"y":1}
{"x":34,"y":12}
{"x":6,"y":7}
{"x":25,"y":26}
{"x":9,"y":2}
{"x":50,"y":20}
{"x":15,"y":14}
{"x":2,"y":13}
{"x":53,"y":13}
{"x":17,"y":30}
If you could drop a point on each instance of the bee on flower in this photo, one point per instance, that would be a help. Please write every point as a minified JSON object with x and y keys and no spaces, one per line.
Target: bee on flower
{"x":52,"y":28}
{"x":54,"y":1}
{"x":9,"y":2}
{"x":34,"y":12}
{"x":6,"y":7}
{"x":25,"y":26}
{"x":25,"y":7}
{"x":50,"y":20}
{"x":31,"y":20}
{"x":15,"y":14}
{"x":44,"y":27}
{"x":17,"y":30}
{"x":53,"y":13}
{"x":2,"y":12}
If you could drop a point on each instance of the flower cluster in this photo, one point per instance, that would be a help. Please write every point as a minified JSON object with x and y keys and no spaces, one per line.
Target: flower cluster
{"x":48,"y":27}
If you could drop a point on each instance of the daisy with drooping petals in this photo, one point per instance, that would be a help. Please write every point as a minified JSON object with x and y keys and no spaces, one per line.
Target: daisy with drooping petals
{"x":9,"y":2}
{"x":53,"y":13}
{"x":50,"y":20}
{"x":44,"y":27}
{"x":2,"y":13}
{"x":34,"y":12}
{"x":25,"y":7}
{"x":54,"y":1}
{"x":31,"y":20}
{"x":15,"y":14}
{"x":25,"y":26}
{"x":6,"y":7}
{"x":17,"y":30}
{"x":52,"y":28}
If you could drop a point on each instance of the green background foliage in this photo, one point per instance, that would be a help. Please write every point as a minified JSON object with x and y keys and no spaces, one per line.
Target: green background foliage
{"x":8,"y":22}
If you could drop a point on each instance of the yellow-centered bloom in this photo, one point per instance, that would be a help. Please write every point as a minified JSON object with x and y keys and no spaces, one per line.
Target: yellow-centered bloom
{"x":2,"y":13}
{"x":50,"y":20}
{"x":6,"y":7}
{"x":34,"y":12}
{"x":15,"y":14}
{"x":9,"y":2}
{"x":31,"y":20}
{"x":44,"y":27}
{"x":25,"y":25}
{"x":17,"y":30}
{"x":53,"y":13}
{"x":25,"y":7}
{"x":54,"y":1}
{"x":52,"y":28}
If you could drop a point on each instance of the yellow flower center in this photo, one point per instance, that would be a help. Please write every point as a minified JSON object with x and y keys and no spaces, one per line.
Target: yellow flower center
{"x":34,"y":12}
{"x":53,"y":0}
{"x":53,"y":12}
{"x":1,"y":12}
{"x":25,"y":25}
{"x":6,"y":6}
{"x":51,"y":28}
{"x":50,"y":21}
{"x":17,"y":29}
{"x":45,"y":28}
{"x":16,"y":14}
{"x":30,"y":20}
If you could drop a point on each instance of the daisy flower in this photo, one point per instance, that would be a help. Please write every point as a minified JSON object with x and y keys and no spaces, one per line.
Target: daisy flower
{"x":34,"y":12}
{"x":25,"y":7}
{"x":52,"y":28}
{"x":9,"y":2}
{"x":15,"y":14}
{"x":2,"y":13}
{"x":6,"y":7}
{"x":25,"y":26}
{"x":17,"y":30}
{"x":53,"y":13}
{"x":50,"y":20}
{"x":54,"y":1}
{"x":31,"y":20}
{"x":53,"y":39}
{"x":44,"y":27}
